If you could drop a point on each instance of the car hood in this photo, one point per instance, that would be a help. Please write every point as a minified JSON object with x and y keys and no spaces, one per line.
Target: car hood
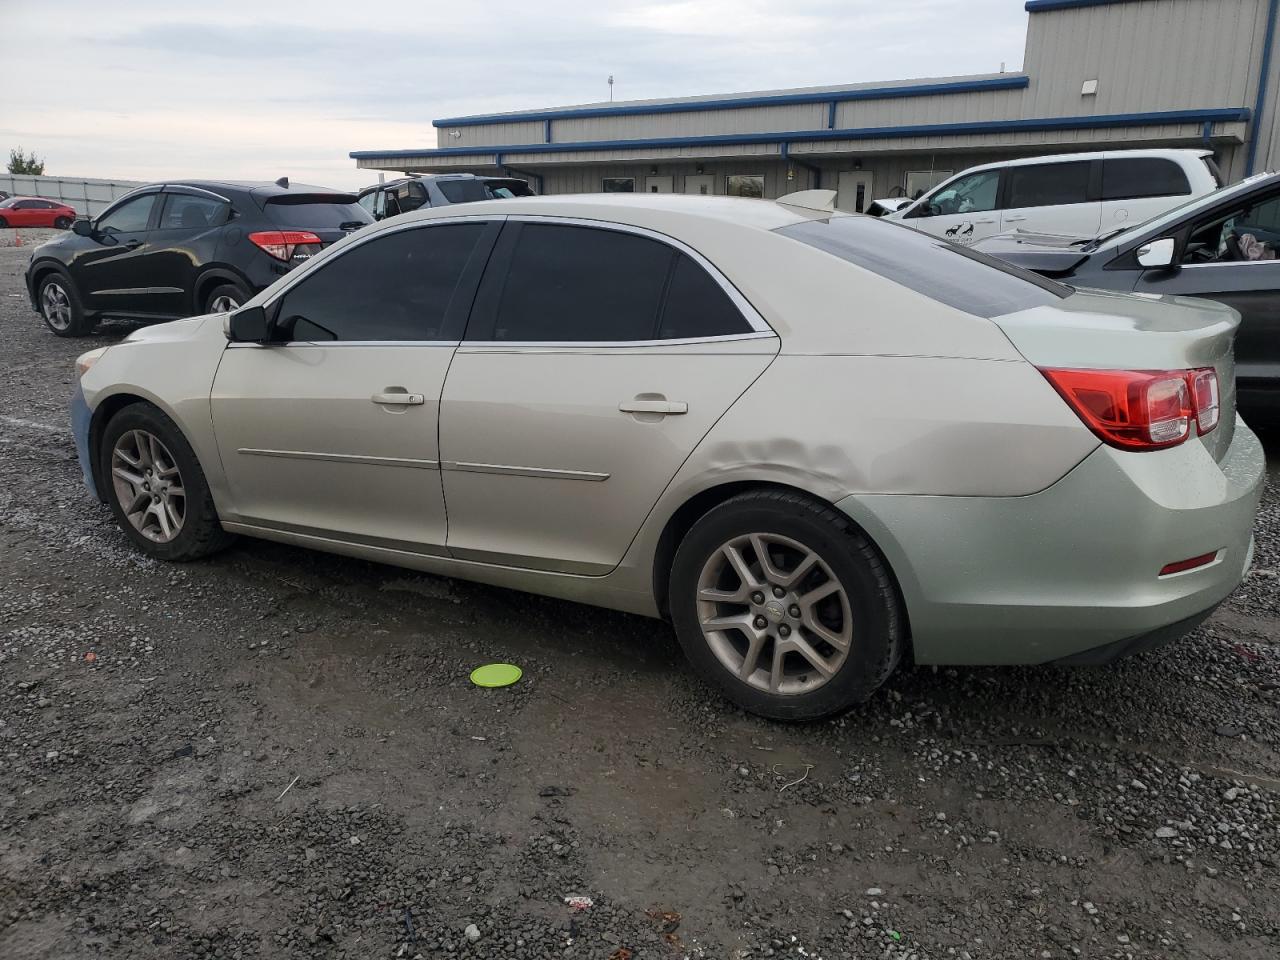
{"x":174,"y":330}
{"x":1041,"y":252}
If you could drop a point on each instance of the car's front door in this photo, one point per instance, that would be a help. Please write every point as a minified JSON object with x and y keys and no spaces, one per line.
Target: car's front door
{"x":1058,"y":198}
{"x":111,"y":273}
{"x":332,"y":430}
{"x":595,"y":361}
{"x":964,"y":210}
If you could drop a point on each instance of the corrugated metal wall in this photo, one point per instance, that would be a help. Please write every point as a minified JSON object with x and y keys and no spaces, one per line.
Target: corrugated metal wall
{"x":88,"y":197}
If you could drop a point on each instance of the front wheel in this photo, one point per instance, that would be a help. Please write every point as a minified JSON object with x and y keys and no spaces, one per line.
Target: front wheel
{"x":155,"y":486}
{"x":783,"y":604}
{"x":61,"y":308}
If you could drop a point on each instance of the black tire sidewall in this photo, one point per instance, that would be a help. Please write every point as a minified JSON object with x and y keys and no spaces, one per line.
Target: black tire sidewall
{"x":61,"y":223}
{"x":871,"y":598}
{"x":234,"y":289}
{"x":79,"y":325}
{"x":187,"y":544}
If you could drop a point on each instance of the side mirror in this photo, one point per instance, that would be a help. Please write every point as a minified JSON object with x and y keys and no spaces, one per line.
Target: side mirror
{"x":82,"y":227}
{"x":1157,"y":253}
{"x":247,"y":325}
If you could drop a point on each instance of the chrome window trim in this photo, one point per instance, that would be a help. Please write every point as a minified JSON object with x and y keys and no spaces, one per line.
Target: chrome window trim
{"x":345,"y":343}
{"x":560,"y":346}
{"x":183,"y":188}
{"x":135,"y":290}
{"x":755,"y":321}
{"x":1228,"y":263}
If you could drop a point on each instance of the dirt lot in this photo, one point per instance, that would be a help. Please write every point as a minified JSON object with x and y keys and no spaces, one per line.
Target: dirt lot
{"x":277,"y":754}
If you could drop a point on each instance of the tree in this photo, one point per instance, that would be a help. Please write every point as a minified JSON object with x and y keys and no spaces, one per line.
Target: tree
{"x":25,"y":163}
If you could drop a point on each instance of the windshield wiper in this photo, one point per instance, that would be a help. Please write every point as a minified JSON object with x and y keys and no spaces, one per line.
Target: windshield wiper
{"x":1096,"y":242}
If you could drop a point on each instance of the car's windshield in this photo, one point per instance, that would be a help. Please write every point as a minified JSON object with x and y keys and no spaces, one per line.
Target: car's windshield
{"x":947,"y":272}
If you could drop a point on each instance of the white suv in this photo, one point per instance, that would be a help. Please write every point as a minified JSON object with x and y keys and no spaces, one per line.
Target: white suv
{"x":1076,"y":194}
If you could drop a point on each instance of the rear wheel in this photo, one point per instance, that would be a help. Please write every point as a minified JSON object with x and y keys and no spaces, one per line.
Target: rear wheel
{"x":61,"y":308}
{"x":4,"y":224}
{"x":62,"y":223}
{"x":155,"y":486}
{"x":226,"y":297}
{"x":781,"y":602}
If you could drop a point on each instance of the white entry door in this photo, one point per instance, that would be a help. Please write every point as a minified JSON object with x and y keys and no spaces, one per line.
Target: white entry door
{"x":704,"y":184}
{"x":657,"y":184}
{"x":853,"y":191}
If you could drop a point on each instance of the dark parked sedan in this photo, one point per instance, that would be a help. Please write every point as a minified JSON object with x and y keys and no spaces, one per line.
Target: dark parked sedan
{"x":171,"y":250}
{"x":1224,"y":246}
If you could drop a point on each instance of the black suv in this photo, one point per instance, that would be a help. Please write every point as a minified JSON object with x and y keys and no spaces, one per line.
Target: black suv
{"x":437,"y":190}
{"x":171,"y":250}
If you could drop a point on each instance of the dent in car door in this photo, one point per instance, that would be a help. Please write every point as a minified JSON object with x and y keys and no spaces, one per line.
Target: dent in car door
{"x":555,"y":448}
{"x":334,"y":432}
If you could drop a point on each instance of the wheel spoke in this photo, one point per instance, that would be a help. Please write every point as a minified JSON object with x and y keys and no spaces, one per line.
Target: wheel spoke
{"x":739,"y":564}
{"x":162,"y":518}
{"x":172,"y":514}
{"x":807,"y":600}
{"x":741,"y":595}
{"x":136,"y":504}
{"x":128,"y":476}
{"x":839,"y":640}
{"x":775,"y":674}
{"x":740,"y":621}
{"x":802,"y":647}
{"x":752,"y":656}
{"x":177,"y":492}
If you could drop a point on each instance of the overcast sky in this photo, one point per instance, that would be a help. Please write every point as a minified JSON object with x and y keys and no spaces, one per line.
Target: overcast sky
{"x":150,"y":90}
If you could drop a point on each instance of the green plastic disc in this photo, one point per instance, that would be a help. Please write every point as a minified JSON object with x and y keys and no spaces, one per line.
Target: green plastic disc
{"x":496,"y":675}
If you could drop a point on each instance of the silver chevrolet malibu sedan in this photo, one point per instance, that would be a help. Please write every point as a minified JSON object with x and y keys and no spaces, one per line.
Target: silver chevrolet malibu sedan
{"x":816,"y":443}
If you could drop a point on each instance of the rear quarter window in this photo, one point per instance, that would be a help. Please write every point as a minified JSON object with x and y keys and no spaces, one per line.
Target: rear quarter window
{"x":1131,"y":178}
{"x":965,"y":279}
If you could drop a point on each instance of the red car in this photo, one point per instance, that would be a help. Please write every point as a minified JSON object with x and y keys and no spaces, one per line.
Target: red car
{"x":34,"y":212}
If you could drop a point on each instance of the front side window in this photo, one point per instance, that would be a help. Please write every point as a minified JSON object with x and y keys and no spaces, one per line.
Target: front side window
{"x":395,"y":287}
{"x":186,"y":212}
{"x":920,"y":182}
{"x":1048,"y":184}
{"x":976,"y":193}
{"x":131,"y":216}
{"x":957,"y":276}
{"x":1131,"y":178}
{"x":739,"y":186}
{"x":1247,"y":233}
{"x":618,"y":185}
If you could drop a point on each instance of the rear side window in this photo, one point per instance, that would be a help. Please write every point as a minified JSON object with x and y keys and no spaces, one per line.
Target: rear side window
{"x":949,"y":273}
{"x":186,"y":212}
{"x":316,"y":211}
{"x":697,"y":306}
{"x":463,"y":191}
{"x":396,"y":287}
{"x":1131,"y":178}
{"x":1048,"y":184}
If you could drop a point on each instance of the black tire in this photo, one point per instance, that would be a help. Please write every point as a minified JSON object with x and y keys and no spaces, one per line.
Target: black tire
{"x":237,"y":294}
{"x":200,"y":533}
{"x":874,"y":607}
{"x":73,"y":323}
{"x":62,"y":223}
{"x":4,"y":224}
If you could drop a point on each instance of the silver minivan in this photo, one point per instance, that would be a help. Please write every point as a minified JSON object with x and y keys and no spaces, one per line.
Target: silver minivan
{"x":1076,"y":194}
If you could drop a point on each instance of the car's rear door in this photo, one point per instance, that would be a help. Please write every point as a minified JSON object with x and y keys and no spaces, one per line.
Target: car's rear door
{"x":597,"y":357}
{"x":332,"y":430}
{"x":1057,"y":198}
{"x":185,"y":238}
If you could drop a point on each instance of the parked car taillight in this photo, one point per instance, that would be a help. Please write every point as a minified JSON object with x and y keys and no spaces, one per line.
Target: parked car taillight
{"x":1141,"y":409}
{"x":283,"y":244}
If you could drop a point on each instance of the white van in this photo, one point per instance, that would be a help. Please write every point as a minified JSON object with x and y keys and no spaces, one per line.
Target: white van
{"x":1076,"y":194}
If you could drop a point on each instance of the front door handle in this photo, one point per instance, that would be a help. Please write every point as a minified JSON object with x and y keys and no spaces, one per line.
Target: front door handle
{"x":1014,"y":219}
{"x":399,"y":398}
{"x":666,"y":408}
{"x":984,"y":221}
{"x":132,"y":244}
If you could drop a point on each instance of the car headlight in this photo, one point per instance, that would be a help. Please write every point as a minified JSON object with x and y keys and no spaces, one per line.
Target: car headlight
{"x":87,"y":360}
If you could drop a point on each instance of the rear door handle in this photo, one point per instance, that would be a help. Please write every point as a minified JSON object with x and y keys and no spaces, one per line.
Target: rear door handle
{"x":1014,"y":219}
{"x":400,"y":399}
{"x":670,"y":408}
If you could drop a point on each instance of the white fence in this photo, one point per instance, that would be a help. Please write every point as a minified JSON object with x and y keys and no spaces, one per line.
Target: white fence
{"x":89,"y":197}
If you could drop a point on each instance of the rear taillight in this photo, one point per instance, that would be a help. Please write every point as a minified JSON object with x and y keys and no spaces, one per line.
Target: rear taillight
{"x":283,"y":244}
{"x":1141,"y":409}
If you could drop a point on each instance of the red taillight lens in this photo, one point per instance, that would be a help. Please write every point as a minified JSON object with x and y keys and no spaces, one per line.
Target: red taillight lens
{"x":1141,"y":409}
{"x":281,"y":244}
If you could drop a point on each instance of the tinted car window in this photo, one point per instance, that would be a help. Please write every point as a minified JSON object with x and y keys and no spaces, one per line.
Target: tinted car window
{"x":581,"y":284}
{"x":957,"y":276}
{"x":1129,"y":178}
{"x":463,"y":191}
{"x":316,"y":211}
{"x":697,"y":306}
{"x":396,"y":287}
{"x":183,"y":211}
{"x":410,"y":196}
{"x":1048,"y":184}
{"x":131,"y":216}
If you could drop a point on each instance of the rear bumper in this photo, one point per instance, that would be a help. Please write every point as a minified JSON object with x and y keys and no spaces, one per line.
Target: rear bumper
{"x":1072,"y":573}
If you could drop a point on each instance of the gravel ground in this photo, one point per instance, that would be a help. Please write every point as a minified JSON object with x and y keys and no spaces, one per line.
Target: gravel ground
{"x":277,"y":753}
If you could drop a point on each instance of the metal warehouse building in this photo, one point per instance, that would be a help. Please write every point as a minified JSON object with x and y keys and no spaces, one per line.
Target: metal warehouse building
{"x":1097,"y":74}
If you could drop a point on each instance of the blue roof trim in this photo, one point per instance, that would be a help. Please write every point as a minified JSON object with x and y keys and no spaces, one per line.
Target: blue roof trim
{"x":1043,"y":6}
{"x":1013,"y":82}
{"x":863,"y":133}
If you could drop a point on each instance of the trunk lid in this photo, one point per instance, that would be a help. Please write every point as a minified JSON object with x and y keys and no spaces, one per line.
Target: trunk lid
{"x":1095,"y":329}
{"x":1045,"y":253}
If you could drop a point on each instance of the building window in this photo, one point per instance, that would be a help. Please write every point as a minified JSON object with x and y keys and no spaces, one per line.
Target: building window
{"x":744,"y":187}
{"x":618,"y":184}
{"x":920,"y":182}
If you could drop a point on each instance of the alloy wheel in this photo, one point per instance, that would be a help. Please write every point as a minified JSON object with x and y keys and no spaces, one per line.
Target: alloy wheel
{"x":774,"y":613}
{"x":223,"y":304}
{"x":55,"y":305}
{"x":148,"y":485}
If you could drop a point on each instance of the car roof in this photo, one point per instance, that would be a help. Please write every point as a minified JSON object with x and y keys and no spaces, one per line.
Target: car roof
{"x":429,"y":176}
{"x":1161,"y":153}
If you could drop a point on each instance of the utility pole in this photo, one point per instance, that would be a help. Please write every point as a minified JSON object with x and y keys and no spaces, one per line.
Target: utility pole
{"x":611,"y":88}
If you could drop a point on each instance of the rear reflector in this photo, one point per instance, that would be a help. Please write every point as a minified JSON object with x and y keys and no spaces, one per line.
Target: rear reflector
{"x":281,"y":244}
{"x":1190,"y":564}
{"x":1141,"y":409}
